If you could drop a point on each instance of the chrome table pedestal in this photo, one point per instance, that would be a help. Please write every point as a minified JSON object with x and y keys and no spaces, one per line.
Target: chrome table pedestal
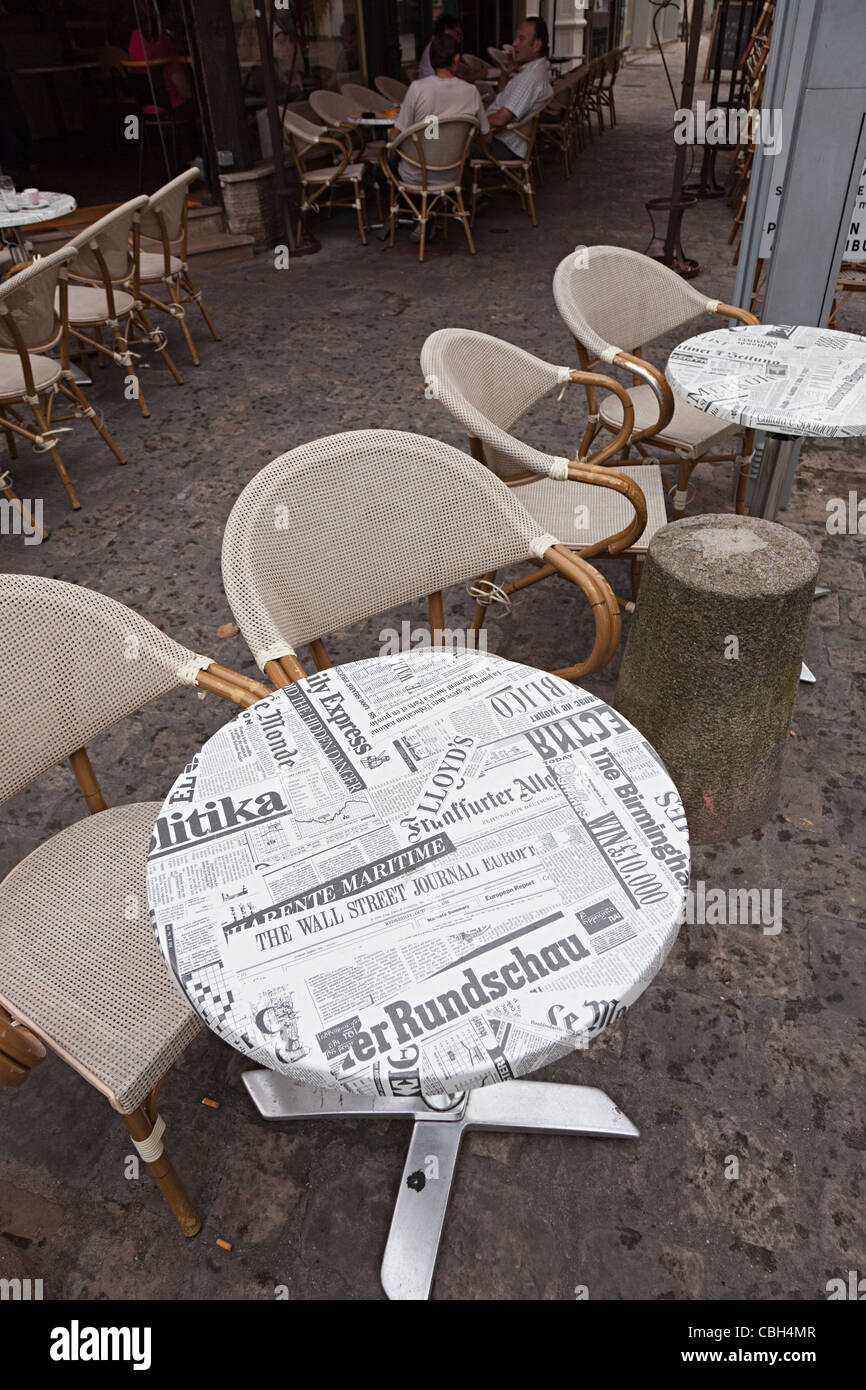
{"x":439,"y":1125}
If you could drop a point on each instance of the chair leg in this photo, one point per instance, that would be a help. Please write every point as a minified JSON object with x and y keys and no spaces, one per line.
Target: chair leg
{"x":531,"y":201}
{"x":202,"y":307}
{"x":682,"y":487}
{"x":465,"y":220}
{"x":153,"y":334}
{"x":122,"y":348}
{"x":141,"y":1129}
{"x":181,"y":318}
{"x":45,"y":429}
{"x":359,"y":209}
{"x":73,"y":392}
{"x":10,"y":441}
{"x":423,"y":226}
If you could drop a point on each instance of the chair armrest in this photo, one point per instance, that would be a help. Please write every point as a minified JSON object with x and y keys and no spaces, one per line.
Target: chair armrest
{"x":231,"y":685}
{"x":732,"y":311}
{"x":628,"y":488}
{"x":660,"y":385}
{"x":605,"y":609}
{"x":596,"y":381}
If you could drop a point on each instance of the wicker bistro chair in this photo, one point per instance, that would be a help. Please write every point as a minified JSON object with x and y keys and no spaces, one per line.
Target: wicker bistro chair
{"x":33,"y":318}
{"x":420,"y":515}
{"x":164,"y":222}
{"x":437,"y":150}
{"x":80,"y":972}
{"x":486,"y":385}
{"x":556,"y":124}
{"x":609,"y":296}
{"x":392,"y":90}
{"x":516,"y":173}
{"x":333,"y":109}
{"x":582,"y":106}
{"x":318,"y":185}
{"x":107,"y":257}
{"x":604,"y":98}
{"x":365,"y":99}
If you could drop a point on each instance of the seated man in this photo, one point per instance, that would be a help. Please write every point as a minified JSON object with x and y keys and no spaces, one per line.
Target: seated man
{"x":443,"y":94}
{"x":524,"y":86}
{"x":469,"y":71}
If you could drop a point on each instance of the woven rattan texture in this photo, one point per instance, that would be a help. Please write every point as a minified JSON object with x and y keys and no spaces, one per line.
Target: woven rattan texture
{"x":78,"y":958}
{"x":29,"y":297}
{"x":365,"y":99}
{"x":435,"y":150}
{"x":612,"y":297}
{"x":487,"y":384}
{"x":74,"y":663}
{"x":580,"y":514}
{"x":170,"y":200}
{"x":352,"y":525}
{"x":330,"y":107}
{"x":688,"y":427}
{"x":111,"y":233}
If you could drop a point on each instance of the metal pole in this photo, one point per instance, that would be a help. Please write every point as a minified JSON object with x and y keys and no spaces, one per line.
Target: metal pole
{"x":675,"y":211}
{"x":266,"y":53}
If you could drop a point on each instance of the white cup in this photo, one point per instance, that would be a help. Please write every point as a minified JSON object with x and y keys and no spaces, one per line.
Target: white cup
{"x":31,"y":197}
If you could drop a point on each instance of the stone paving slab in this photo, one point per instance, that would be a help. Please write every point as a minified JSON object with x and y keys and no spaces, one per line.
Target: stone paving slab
{"x":748,"y":1046}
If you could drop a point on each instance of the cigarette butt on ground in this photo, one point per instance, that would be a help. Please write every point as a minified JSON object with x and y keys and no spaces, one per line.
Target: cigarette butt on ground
{"x":224,"y":1244}
{"x":214,"y":1104}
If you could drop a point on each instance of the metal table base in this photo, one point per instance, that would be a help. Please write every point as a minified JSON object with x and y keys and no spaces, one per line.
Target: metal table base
{"x":772,"y":475}
{"x":439,"y":1126}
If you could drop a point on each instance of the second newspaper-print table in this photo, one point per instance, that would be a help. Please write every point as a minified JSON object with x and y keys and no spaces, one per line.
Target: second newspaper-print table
{"x":408,"y":877}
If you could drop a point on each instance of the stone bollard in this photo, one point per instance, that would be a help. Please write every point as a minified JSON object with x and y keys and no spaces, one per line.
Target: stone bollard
{"x":712,"y":664}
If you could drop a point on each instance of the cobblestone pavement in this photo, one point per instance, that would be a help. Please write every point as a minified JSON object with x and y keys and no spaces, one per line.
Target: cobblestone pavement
{"x":746,"y":1045}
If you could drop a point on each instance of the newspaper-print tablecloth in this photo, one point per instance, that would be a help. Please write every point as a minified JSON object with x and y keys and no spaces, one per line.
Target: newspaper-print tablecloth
{"x":418,"y":874}
{"x":51,"y":205}
{"x":795,"y":381}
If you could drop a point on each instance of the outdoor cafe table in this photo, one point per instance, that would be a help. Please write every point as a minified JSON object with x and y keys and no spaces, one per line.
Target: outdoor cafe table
{"x":402,"y":879}
{"x":50,"y":205}
{"x":789,"y":381}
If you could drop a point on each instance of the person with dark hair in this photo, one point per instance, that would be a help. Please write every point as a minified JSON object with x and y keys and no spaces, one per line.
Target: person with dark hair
{"x":524,"y":85}
{"x":445,"y":24}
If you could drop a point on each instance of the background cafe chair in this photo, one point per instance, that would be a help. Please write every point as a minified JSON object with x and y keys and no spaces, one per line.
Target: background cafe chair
{"x":392,"y":90}
{"x":377,"y":518}
{"x":107,"y":256}
{"x":33,"y":318}
{"x":365,"y":99}
{"x":556,"y":123}
{"x":334,"y":109}
{"x":516,"y":172}
{"x":318,"y":185}
{"x":487,"y":385}
{"x":614,"y":300}
{"x":164,"y":224}
{"x":436,"y":151}
{"x":80,"y":972}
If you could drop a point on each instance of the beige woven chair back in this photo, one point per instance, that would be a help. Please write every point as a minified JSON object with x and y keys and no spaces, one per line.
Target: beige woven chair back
{"x":436,"y":148}
{"x":170,"y":201}
{"x":364,"y":98}
{"x":111,"y":235}
{"x":332,"y":107}
{"x":392,"y":90}
{"x":74,"y":663}
{"x":302,"y":133}
{"x":487,"y":384}
{"x":28,"y":297}
{"x":612,"y":298}
{"x":349,"y":526}
{"x":306,"y":110}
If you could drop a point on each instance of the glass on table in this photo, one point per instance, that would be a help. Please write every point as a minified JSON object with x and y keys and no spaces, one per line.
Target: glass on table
{"x":8,"y":196}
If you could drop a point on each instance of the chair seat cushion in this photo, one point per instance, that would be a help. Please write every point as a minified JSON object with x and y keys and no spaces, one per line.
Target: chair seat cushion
{"x":688,"y":427}
{"x":78,"y":960}
{"x":557,"y":506}
{"x":12,"y":387}
{"x":87,"y":305}
{"x":153,"y":266}
{"x":351,"y":171}
{"x":490,"y":164}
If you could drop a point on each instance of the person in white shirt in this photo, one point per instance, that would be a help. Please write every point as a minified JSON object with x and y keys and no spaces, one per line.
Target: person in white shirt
{"x":443,"y":94}
{"x":524,"y":86}
{"x":445,"y":24}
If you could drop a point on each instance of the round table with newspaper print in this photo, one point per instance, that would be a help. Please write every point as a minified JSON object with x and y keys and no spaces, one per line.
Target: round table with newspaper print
{"x":434,"y":869}
{"x":792,"y":381}
{"x":50,"y":205}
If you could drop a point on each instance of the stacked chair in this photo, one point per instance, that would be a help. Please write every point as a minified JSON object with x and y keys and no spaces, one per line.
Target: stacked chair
{"x":93,"y":296}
